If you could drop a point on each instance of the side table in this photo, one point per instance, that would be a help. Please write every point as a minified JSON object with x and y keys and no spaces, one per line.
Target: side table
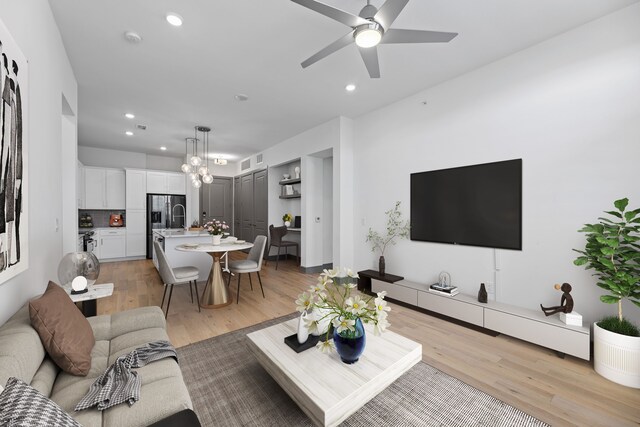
{"x":89,"y":298}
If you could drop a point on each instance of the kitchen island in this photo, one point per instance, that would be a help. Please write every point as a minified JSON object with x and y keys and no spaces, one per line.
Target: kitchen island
{"x":172,"y":238}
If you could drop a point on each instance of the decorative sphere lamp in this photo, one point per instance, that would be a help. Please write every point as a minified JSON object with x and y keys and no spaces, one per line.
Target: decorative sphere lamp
{"x":78,"y":264}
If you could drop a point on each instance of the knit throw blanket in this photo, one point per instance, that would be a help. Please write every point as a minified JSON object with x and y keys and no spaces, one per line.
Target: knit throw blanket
{"x":120,"y":383}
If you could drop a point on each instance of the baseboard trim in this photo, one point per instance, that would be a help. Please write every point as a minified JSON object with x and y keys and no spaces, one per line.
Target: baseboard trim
{"x":316,"y":268}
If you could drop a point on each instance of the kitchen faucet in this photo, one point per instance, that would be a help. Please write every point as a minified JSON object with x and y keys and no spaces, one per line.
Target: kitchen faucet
{"x":184,"y":213}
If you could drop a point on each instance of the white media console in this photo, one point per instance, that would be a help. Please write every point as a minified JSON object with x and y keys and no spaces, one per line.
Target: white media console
{"x":525,"y":324}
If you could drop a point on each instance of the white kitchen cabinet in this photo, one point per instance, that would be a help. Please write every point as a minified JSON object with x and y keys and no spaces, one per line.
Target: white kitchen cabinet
{"x":115,"y":189}
{"x":94,"y":188}
{"x":136,"y":189}
{"x":156,"y":182}
{"x":136,"y":233}
{"x":104,"y":188}
{"x":166,"y":183}
{"x":176,"y":183}
{"x":112,"y":243}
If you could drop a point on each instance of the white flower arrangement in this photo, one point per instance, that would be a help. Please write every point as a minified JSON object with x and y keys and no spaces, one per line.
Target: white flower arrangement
{"x":334,"y":296}
{"x":216,"y":227}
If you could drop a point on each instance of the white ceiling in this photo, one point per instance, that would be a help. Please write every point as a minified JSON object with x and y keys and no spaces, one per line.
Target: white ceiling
{"x":179,"y":77}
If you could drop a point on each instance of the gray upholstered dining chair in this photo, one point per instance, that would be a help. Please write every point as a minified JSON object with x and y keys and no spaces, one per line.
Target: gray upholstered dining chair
{"x":253,"y":264}
{"x":173,"y":276}
{"x":276,"y":234}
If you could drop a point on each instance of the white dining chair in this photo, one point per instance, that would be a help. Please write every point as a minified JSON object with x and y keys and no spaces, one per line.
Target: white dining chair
{"x":253,"y":264}
{"x":173,"y":276}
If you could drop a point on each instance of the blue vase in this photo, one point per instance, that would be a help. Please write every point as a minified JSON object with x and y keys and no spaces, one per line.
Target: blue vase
{"x":350,"y":347}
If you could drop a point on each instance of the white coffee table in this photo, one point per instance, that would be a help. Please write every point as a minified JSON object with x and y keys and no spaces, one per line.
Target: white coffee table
{"x":326,"y":389}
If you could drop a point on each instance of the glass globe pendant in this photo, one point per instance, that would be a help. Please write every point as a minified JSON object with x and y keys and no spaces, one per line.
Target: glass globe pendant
{"x":207,"y":179}
{"x":185,"y":168}
{"x":195,"y":161}
{"x":193,"y":176}
{"x":196,"y":183}
{"x":203,"y":170}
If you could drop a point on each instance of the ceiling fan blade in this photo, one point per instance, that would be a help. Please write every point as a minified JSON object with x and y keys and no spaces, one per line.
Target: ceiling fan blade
{"x":333,"y":47}
{"x":370,"y":58}
{"x":331,"y":12}
{"x":416,"y":36}
{"x":389,"y":11}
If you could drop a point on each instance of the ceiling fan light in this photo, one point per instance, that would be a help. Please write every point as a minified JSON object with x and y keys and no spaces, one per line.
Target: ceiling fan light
{"x":369,"y":35}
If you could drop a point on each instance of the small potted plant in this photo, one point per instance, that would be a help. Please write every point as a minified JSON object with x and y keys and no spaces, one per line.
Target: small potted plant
{"x":613,"y":252}
{"x":217,"y":229}
{"x":396,"y":228}
{"x":286,"y":218}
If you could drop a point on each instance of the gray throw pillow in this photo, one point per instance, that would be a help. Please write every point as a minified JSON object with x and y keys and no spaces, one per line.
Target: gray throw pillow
{"x":23,"y":406}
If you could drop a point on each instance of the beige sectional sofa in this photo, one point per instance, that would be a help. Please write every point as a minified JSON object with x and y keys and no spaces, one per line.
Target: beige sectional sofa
{"x":163,"y":390}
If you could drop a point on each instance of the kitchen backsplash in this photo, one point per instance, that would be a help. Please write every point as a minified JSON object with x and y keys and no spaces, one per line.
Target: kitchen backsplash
{"x":99,"y":218}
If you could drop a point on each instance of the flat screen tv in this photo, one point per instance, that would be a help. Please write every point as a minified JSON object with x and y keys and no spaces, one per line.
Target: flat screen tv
{"x":479,"y":205}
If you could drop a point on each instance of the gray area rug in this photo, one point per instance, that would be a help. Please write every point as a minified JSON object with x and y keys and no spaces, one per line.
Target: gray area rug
{"x":228,"y":387}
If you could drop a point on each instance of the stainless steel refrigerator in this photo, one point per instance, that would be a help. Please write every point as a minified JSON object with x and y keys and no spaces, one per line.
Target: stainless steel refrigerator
{"x":164,"y":211}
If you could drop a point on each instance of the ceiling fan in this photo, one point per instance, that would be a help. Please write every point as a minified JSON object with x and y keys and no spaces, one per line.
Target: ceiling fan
{"x":370,"y":28}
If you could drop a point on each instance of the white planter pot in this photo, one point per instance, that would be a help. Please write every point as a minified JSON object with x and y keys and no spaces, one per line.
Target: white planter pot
{"x":616,"y":357}
{"x":216,"y":239}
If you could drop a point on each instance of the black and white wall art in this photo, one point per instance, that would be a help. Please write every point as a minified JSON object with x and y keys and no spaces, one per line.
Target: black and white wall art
{"x":13,"y":160}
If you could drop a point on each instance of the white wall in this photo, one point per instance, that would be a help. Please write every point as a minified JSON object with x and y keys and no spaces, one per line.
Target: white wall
{"x":327,"y":210}
{"x":163,"y":163}
{"x":569,"y":107}
{"x":32,"y":26}
{"x":335,"y":135}
{"x":100,"y":157}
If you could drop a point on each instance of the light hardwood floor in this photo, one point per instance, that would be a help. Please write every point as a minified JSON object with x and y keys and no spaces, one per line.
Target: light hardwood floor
{"x":558,"y":391}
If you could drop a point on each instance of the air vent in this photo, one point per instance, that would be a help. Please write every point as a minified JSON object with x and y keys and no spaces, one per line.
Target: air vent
{"x":259,"y":159}
{"x":141,"y":127}
{"x":246,"y":164}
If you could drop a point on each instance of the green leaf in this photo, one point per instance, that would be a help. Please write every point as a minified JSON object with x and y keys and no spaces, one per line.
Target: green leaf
{"x":628,"y":216}
{"x":609,"y":299}
{"x":614,"y":213}
{"x":607,"y":251}
{"x":621,"y":204}
{"x":636,"y":303}
{"x":606,"y":262}
{"x":581,"y":260}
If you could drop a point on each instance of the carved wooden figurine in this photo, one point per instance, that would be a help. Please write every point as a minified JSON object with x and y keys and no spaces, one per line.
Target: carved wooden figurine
{"x":566,"y":302}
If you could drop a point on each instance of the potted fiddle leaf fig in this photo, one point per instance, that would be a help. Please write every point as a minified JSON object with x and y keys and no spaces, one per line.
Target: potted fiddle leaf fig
{"x":612,"y":250}
{"x":397,"y":228}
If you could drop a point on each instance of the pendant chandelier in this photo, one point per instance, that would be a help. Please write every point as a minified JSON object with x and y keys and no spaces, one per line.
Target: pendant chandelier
{"x":197,"y":166}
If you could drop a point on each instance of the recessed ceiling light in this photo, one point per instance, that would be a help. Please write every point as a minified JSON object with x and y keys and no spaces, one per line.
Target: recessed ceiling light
{"x":129,"y":133}
{"x":163,"y":148}
{"x":132,"y":37}
{"x":130,"y":116}
{"x":241,"y":97}
{"x":350,"y":87}
{"x":174,"y":19}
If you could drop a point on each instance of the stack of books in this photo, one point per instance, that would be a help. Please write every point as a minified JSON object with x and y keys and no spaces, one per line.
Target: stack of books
{"x":448,"y":291}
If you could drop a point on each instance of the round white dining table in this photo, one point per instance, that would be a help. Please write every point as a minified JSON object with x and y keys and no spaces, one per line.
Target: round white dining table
{"x":216,"y":293}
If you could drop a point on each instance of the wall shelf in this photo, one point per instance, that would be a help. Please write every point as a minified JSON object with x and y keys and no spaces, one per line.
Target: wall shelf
{"x":290,"y":181}
{"x":291,"y":196}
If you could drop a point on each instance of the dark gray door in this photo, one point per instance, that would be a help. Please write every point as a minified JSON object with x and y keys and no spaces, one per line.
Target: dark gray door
{"x":237,"y":212}
{"x":216,"y":199}
{"x":260,"y":204}
{"x":246,"y":207}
